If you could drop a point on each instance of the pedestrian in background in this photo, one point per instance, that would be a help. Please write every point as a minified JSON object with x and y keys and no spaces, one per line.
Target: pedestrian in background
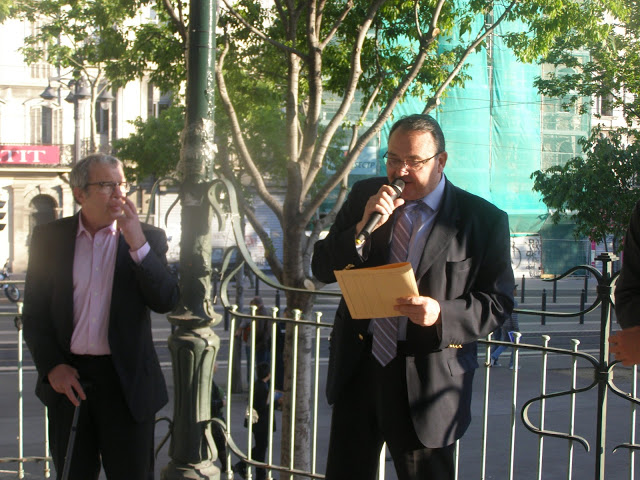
{"x":263,"y":332}
{"x":91,"y":283}
{"x":506,"y":334}
{"x":260,"y":427}
{"x":263,"y":336}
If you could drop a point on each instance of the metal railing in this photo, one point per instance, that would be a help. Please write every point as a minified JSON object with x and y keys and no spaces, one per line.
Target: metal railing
{"x":21,"y":459}
{"x":601,"y":380}
{"x":530,"y":414}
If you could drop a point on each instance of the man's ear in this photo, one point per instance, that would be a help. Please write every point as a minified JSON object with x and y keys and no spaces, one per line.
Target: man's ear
{"x":79,"y":195}
{"x":442,"y":160}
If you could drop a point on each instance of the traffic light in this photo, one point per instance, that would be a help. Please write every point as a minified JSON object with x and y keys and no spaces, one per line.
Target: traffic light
{"x":3,"y":214}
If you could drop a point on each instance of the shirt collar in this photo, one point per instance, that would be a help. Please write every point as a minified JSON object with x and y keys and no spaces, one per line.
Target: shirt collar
{"x":83,"y":230}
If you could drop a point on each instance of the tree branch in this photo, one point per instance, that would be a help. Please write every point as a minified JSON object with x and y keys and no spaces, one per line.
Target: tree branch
{"x":385,"y":114}
{"x":262,"y":36}
{"x":176,"y":19}
{"x":347,"y":101}
{"x":243,"y":152}
{"x":435,"y":99}
{"x":332,"y":32}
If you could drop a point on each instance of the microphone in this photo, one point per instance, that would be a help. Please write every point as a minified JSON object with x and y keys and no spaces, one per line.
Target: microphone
{"x":365,"y":233}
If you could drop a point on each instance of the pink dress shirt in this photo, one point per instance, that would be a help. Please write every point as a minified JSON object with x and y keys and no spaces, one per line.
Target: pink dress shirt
{"x":93,"y":268}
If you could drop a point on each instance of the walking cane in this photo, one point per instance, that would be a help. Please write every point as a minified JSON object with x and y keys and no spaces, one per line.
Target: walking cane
{"x":72,"y":440}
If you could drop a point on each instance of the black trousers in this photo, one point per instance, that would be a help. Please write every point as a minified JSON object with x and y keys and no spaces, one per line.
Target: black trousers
{"x":107,"y":434}
{"x":372,"y":410}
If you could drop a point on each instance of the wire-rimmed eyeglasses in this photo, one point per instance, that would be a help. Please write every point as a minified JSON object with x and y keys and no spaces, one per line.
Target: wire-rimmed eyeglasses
{"x":412,"y":165}
{"x":109,"y":187}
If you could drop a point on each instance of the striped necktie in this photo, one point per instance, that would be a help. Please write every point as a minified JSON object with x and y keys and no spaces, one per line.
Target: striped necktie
{"x":385,"y":331}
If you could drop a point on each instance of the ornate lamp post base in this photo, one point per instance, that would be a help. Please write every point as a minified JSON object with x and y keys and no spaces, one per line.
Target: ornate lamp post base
{"x":193,"y":348}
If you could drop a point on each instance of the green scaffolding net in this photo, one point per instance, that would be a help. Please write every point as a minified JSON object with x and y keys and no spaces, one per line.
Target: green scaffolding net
{"x":499,"y":130}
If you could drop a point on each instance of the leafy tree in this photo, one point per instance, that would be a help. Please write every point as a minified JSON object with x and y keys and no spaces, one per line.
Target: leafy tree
{"x":598,"y":191}
{"x":5,"y":9}
{"x":79,"y":38}
{"x":154,"y":147}
{"x":612,"y":71}
{"x":278,"y":63}
{"x":301,"y":53}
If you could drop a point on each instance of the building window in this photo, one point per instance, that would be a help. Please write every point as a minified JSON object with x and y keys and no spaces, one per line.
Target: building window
{"x":57,"y":127}
{"x":39,"y":69}
{"x":102,"y":119}
{"x":35,"y":123}
{"x":606,"y":105}
{"x":157,"y":102}
{"x":47,"y":125}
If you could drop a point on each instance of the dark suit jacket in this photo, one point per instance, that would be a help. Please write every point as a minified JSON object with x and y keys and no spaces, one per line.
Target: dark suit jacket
{"x":465,"y":266}
{"x":628,"y":284}
{"x":48,"y":312}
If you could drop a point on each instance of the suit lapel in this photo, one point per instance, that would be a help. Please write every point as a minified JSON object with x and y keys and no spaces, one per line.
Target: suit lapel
{"x":122,"y":260}
{"x":65,"y":252}
{"x":444,"y":229}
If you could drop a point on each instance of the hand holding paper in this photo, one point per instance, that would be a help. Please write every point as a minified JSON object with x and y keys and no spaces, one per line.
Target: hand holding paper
{"x":372,"y":292}
{"x":423,"y":311}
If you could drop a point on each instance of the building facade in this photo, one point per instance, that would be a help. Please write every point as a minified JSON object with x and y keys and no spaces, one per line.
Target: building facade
{"x":44,"y":125}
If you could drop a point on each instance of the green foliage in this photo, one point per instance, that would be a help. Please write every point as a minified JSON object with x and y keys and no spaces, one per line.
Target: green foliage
{"x":598,"y":191}
{"x":282,"y":63}
{"x":155,"y":49}
{"x":613,"y":67}
{"x":5,"y":9}
{"x":75,"y":35}
{"x":153,"y":150}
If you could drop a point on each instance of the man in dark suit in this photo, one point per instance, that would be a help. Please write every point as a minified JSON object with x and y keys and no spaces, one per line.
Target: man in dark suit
{"x":625,"y":344}
{"x":91,"y":282}
{"x":418,"y":399}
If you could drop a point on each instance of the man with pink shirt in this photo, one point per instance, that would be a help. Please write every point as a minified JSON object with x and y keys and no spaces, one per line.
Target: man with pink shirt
{"x":91,"y":282}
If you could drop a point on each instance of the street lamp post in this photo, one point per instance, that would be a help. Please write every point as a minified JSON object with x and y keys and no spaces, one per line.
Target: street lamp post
{"x":78,"y":93}
{"x":194,"y":345}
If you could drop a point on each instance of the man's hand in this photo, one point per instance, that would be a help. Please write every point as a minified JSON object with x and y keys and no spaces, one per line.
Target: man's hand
{"x":129,"y":225}
{"x":625,"y":345}
{"x":381,"y":203}
{"x":65,"y":379}
{"x":424,"y":311}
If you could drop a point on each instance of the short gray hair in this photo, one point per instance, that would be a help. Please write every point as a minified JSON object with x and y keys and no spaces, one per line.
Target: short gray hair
{"x":79,"y":176}
{"x":421,"y":123}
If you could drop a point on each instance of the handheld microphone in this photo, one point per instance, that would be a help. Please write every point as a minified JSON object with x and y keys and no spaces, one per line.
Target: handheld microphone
{"x":398,"y":186}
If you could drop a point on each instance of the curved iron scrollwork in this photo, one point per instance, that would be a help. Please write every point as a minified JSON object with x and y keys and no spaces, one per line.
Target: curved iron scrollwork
{"x":232,"y":211}
{"x":596,"y":303}
{"x":603,"y":370}
{"x":524,"y":414}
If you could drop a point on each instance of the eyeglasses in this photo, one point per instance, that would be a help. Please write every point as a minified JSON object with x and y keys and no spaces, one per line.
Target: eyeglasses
{"x":412,"y":166}
{"x":109,"y":187}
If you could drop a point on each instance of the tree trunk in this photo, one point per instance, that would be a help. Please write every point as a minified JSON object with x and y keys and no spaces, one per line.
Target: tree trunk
{"x":299,"y":431}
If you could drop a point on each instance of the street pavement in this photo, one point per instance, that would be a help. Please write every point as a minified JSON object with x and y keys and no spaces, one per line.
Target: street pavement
{"x":557,"y":452}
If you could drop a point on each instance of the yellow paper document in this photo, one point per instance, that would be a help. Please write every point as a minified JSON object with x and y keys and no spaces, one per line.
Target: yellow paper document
{"x":372,"y":292}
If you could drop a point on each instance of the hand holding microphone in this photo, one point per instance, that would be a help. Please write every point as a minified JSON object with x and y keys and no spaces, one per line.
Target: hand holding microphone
{"x":374,"y":218}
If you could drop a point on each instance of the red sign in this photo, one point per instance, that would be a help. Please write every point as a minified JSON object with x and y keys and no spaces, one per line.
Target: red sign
{"x":29,"y":155}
